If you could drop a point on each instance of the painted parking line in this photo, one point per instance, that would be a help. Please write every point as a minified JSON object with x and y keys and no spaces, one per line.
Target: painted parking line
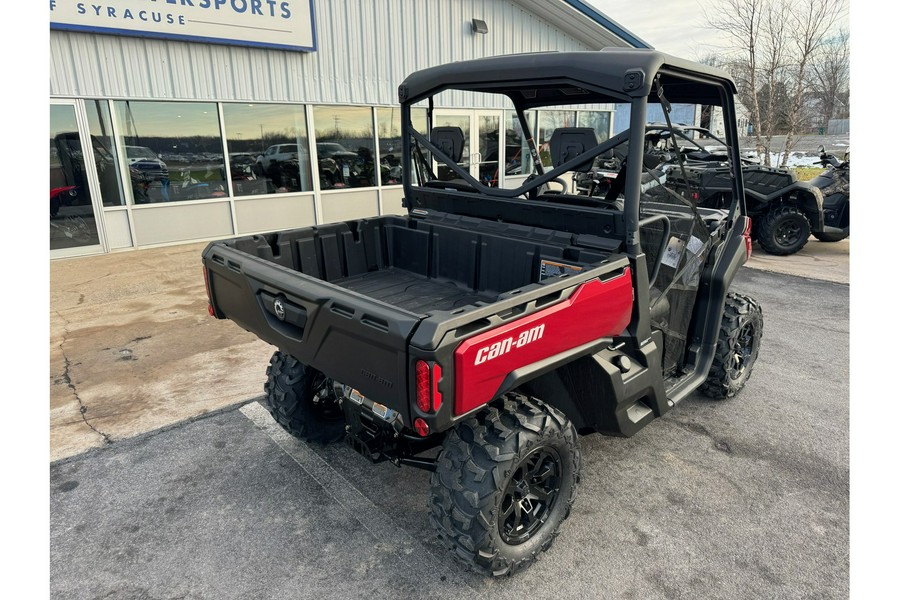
{"x":377,"y":522}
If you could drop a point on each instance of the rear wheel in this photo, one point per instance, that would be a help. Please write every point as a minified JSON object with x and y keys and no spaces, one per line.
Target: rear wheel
{"x":505,"y":481}
{"x":302,"y":400}
{"x":737,"y":347}
{"x":783,"y":230}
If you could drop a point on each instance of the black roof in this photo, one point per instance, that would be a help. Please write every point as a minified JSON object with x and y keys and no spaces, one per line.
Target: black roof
{"x":559,"y":78}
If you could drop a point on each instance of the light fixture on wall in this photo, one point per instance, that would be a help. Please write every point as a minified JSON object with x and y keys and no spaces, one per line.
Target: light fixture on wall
{"x":479,"y":26}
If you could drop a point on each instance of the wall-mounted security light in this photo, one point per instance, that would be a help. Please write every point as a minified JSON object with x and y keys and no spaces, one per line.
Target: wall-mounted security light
{"x":479,"y":26}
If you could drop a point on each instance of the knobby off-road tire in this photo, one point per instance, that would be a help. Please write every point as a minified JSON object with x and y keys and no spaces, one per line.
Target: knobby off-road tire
{"x":783,"y":230}
{"x":302,"y":401}
{"x":830,"y":237}
{"x":505,"y":481}
{"x":737,"y":347}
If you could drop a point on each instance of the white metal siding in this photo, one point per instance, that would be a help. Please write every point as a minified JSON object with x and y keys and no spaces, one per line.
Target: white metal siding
{"x":366,"y":48}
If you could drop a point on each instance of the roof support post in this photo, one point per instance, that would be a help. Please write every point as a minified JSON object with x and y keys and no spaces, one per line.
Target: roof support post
{"x":633,"y":175}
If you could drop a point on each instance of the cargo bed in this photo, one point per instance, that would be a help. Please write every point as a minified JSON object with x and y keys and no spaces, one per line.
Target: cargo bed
{"x":411,"y":291}
{"x":421,"y":266}
{"x":351,"y":299}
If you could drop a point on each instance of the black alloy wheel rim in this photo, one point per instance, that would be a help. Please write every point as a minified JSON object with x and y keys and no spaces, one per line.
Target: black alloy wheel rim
{"x":788,"y":232}
{"x":530,"y":495}
{"x":741,"y":358}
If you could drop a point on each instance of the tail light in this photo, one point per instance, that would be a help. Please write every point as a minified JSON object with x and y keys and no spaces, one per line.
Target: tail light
{"x":209,"y":306}
{"x":428,"y":397}
{"x":748,"y":241}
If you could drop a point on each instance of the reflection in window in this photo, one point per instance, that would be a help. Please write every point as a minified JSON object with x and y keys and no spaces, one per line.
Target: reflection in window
{"x":390,"y":143}
{"x":268,"y":148}
{"x":489,"y":148}
{"x":598,"y":121}
{"x":548,"y":122}
{"x":72,"y":222}
{"x":173,"y":150}
{"x":105,"y":157}
{"x":518,"y":154}
{"x":345,"y":145}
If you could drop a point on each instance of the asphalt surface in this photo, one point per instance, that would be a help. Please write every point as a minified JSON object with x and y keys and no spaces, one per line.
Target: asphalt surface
{"x":747,"y":498}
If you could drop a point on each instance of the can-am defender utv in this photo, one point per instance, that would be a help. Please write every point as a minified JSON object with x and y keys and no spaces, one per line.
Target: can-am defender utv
{"x":493,"y":326}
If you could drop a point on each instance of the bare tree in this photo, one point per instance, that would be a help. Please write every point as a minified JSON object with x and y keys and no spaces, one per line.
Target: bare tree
{"x":741,"y":21}
{"x":831,"y":77}
{"x":773,"y":45}
{"x":811,"y":21}
{"x":774,"y":55}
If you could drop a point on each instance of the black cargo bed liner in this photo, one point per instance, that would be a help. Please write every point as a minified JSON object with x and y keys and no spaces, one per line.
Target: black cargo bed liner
{"x":411,"y":291}
{"x":423,"y":267}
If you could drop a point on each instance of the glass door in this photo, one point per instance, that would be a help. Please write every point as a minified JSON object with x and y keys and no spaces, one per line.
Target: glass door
{"x":489,"y":145}
{"x":481,"y":152}
{"x":74,"y":227}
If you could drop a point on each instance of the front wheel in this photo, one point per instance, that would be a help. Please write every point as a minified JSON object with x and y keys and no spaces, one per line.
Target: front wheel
{"x":737,"y":347}
{"x":783,"y":230}
{"x":505,"y":481}
{"x":303,"y":401}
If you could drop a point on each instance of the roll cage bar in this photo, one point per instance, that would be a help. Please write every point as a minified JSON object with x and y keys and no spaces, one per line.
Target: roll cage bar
{"x":708,"y":84}
{"x":532,"y":183}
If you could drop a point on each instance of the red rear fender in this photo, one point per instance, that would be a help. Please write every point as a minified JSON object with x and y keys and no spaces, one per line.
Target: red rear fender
{"x":595,"y":310}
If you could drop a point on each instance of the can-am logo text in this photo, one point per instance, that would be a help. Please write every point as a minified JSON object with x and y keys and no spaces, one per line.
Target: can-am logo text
{"x":502,"y":347}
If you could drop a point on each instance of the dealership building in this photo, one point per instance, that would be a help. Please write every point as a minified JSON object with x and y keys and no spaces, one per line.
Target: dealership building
{"x":175,"y":121}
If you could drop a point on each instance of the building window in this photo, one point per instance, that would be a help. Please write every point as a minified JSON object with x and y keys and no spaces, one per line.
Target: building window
{"x":268,"y":148}
{"x":173,"y":150}
{"x":548,"y":122}
{"x":598,"y":120}
{"x":105,"y":156}
{"x":390,"y":143}
{"x":72,"y":219}
{"x":345,"y":145}
{"x":518,"y":154}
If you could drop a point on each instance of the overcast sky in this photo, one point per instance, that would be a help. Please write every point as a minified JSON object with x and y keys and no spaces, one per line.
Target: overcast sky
{"x":676,"y":27}
{"x":672,"y":26}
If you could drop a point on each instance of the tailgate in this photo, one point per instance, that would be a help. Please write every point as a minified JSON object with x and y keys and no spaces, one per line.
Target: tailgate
{"x":353,"y":339}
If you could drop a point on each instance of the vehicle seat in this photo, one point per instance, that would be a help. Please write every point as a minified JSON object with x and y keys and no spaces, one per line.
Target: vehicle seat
{"x":567,"y":143}
{"x":450,"y":141}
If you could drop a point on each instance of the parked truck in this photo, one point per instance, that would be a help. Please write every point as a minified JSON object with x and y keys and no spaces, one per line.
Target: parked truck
{"x":482,"y":333}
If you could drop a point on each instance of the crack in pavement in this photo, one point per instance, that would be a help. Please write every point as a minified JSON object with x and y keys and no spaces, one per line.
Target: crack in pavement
{"x":67,"y":378}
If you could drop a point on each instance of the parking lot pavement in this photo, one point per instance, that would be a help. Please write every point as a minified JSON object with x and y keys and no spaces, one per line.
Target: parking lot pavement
{"x":828,"y":261}
{"x":746,"y":498}
{"x":132,"y":348}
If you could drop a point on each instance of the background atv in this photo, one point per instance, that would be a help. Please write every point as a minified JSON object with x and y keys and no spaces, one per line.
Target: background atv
{"x":834,"y":183}
{"x":784,"y":210}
